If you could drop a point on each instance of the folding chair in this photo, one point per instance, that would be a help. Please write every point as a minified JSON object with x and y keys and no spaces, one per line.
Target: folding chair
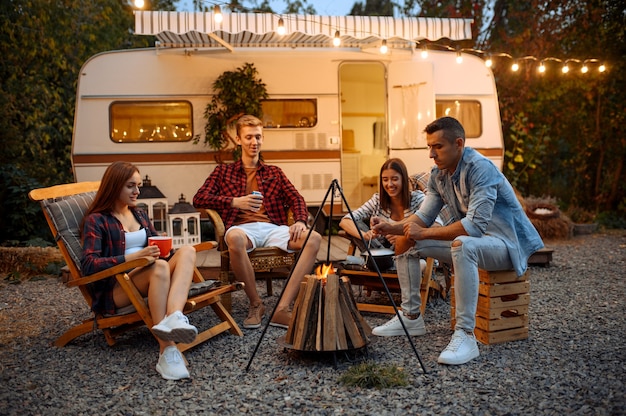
{"x":64,"y":207}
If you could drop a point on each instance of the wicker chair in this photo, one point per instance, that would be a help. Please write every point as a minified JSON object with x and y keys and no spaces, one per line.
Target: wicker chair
{"x":268,"y":262}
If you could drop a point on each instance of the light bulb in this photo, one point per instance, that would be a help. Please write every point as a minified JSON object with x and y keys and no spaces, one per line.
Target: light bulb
{"x":383,"y":47}
{"x":584,"y":69}
{"x":565,"y":69}
{"x":459,"y":58}
{"x":281,"y":27}
{"x":602,"y":68}
{"x":515,"y":67}
{"x":424,"y":52}
{"x":139,"y":4}
{"x":488,"y":63}
{"x":542,"y":68}
{"x":337,"y":39}
{"x":217,"y":14}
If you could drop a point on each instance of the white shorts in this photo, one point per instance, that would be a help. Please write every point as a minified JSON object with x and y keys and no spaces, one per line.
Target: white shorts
{"x":265,"y":234}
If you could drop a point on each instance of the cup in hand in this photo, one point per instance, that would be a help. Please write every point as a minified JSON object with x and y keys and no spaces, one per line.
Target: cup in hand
{"x":164,"y":243}
{"x":259,"y":194}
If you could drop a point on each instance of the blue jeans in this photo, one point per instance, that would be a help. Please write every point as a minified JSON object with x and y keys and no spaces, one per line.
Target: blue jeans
{"x":488,"y":253}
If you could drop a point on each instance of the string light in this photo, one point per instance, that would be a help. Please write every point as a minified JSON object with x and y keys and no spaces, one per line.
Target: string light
{"x":383,"y":47}
{"x":139,"y":4}
{"x":217,"y":14}
{"x":281,"y":27}
{"x":541,"y":68}
{"x":337,"y":39}
{"x":489,"y":61}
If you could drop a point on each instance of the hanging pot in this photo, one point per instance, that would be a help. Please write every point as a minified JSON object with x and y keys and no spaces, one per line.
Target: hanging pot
{"x":382,"y":256}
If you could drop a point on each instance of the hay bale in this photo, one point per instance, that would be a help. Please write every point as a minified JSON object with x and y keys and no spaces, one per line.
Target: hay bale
{"x":29,"y":261}
{"x":548,"y":219}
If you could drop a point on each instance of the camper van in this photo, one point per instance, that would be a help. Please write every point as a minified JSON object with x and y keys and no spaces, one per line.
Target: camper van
{"x":332,"y":112}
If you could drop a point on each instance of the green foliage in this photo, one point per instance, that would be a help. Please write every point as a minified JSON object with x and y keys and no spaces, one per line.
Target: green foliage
{"x":369,"y":374}
{"x":524,"y":151}
{"x":583,"y":114}
{"x":44,"y":45}
{"x":236,"y":93}
{"x":20,"y":218}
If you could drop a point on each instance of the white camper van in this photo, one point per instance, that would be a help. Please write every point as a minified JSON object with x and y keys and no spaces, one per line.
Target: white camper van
{"x":333,"y":112}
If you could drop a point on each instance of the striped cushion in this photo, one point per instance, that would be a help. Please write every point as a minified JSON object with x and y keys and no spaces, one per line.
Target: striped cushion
{"x":67,"y":214}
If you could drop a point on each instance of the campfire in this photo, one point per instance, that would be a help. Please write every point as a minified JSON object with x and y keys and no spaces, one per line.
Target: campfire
{"x":325,"y":316}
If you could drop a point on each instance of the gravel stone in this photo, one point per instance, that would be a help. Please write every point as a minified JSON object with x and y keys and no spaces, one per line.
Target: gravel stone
{"x":572,"y":362}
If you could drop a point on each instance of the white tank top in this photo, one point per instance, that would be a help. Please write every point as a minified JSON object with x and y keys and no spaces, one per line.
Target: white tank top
{"x":135,"y":241}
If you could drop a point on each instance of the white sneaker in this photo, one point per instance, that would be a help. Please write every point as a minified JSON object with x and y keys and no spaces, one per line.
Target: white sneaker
{"x":175,"y":327}
{"x":461,"y":349}
{"x":393,"y":327}
{"x":171,"y":364}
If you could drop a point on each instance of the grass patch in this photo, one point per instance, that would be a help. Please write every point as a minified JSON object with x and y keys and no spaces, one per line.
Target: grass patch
{"x":369,"y":374}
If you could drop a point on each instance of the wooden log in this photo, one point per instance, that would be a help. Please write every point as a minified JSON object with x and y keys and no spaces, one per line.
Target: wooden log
{"x":354,"y":307}
{"x":350,"y":320}
{"x":289,"y":337}
{"x":332,"y":314}
{"x":304,"y":314}
{"x":310,"y":342}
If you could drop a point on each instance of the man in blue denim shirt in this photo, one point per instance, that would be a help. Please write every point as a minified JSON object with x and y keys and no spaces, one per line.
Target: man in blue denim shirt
{"x":490,"y":231}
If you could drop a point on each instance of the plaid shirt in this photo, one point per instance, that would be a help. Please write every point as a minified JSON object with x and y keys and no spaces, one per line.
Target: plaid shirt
{"x":104,"y":244}
{"x":228,"y":181}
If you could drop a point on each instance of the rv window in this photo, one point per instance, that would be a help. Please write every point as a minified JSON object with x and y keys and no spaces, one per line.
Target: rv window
{"x":150,"y":121}
{"x":468,"y":112}
{"x":281,"y":113}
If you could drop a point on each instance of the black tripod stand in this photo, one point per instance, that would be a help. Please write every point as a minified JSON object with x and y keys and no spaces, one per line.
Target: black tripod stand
{"x":334,"y":187}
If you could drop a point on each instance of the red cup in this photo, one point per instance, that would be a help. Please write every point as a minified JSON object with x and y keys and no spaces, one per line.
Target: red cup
{"x":164,"y":243}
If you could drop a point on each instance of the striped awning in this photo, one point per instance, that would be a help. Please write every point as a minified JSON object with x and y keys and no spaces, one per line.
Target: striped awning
{"x":199,"y":30}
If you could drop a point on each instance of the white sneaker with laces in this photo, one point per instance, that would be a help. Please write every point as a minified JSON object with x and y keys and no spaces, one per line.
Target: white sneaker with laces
{"x":461,"y":349}
{"x":171,"y":364}
{"x":393,"y":327}
{"x":175,"y":327}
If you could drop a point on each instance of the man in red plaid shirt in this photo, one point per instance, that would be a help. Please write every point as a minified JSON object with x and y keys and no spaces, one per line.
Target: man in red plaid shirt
{"x":260,"y":219}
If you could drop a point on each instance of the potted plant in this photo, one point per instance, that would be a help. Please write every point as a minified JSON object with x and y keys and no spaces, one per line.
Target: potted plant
{"x":236,"y":93}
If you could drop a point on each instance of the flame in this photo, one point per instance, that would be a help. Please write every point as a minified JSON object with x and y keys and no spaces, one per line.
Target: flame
{"x":322,"y":270}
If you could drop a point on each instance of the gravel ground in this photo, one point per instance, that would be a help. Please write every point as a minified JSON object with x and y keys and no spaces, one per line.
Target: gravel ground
{"x":572,"y":363}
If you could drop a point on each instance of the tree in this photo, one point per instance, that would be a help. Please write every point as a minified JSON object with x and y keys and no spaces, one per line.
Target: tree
{"x":373,"y":8}
{"x":43,"y":45}
{"x":582,"y":113}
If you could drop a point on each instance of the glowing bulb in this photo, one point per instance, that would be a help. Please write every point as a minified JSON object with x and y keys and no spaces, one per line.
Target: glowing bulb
{"x":459,"y":58}
{"x":602,"y":68}
{"x":488,"y":63}
{"x":139,"y":4}
{"x":515,"y":67}
{"x":281,"y":27}
{"x":565,"y":69}
{"x":584,"y":69}
{"x":542,"y":68}
{"x":336,"y":39}
{"x":217,"y":14}
{"x":383,"y":48}
{"x":424,"y":52}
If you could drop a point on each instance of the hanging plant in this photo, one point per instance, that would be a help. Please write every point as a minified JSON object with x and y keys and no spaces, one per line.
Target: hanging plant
{"x":236,"y":93}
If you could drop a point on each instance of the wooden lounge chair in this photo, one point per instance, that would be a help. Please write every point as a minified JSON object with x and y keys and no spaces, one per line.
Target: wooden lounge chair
{"x":64,"y":207}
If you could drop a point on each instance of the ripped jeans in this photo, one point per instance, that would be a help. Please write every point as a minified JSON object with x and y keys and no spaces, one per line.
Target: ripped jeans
{"x":486,"y":252}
